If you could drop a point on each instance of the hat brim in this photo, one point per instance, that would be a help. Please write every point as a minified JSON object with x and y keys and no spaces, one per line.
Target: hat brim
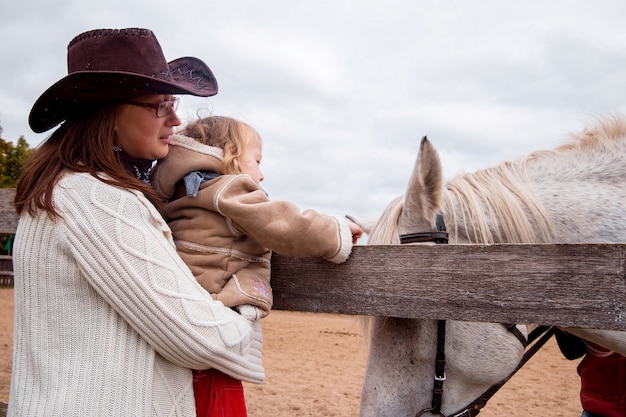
{"x":188,"y":75}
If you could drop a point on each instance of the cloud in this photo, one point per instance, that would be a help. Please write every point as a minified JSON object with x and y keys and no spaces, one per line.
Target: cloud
{"x":342,"y":92}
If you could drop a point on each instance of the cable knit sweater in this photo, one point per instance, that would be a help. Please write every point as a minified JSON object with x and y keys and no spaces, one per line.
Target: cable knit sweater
{"x":108,"y":318}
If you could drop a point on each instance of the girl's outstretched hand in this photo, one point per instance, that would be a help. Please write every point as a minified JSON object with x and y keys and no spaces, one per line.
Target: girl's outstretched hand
{"x":357,"y":232}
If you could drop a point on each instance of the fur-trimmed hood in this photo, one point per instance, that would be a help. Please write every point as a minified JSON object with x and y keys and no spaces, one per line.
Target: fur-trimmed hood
{"x":186,"y":155}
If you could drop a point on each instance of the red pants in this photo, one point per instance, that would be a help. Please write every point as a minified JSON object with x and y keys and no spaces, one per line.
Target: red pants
{"x":218,"y":395}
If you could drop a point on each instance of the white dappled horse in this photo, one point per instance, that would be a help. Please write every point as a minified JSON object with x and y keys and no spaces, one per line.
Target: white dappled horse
{"x":575,"y":193}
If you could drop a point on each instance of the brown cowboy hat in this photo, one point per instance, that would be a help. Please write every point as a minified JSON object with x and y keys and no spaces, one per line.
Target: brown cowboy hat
{"x":113,"y":65}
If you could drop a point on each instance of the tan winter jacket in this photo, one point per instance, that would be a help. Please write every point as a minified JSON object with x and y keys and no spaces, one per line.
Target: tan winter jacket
{"x":227,"y":232}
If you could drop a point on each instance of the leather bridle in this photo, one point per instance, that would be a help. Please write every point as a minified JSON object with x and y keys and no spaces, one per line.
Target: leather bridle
{"x":541,"y":335}
{"x":438,"y":236}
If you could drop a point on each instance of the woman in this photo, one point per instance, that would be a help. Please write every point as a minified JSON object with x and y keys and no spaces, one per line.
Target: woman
{"x":108,"y":319}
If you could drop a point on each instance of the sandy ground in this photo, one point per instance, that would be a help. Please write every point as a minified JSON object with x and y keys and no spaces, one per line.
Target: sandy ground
{"x":315,"y":364}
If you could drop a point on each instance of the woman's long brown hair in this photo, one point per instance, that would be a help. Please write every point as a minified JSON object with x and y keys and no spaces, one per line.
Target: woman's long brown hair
{"x":83,"y":143}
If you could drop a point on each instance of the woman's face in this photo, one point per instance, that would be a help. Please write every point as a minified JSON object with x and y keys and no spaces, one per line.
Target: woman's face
{"x":140,"y":132}
{"x":251,"y":159}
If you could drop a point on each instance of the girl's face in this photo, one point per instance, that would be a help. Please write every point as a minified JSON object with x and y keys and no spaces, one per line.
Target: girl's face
{"x":251,"y":159}
{"x":141,"y":133}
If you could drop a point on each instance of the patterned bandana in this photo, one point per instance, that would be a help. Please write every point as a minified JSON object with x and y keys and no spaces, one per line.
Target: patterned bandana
{"x":138,"y":168}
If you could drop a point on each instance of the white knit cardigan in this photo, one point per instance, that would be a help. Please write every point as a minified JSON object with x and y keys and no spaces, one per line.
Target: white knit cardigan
{"x":108,"y":319}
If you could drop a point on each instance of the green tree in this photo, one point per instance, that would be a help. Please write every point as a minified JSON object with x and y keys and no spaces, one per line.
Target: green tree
{"x":12,"y":159}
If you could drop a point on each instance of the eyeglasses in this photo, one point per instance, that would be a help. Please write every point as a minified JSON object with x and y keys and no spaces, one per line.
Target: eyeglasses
{"x":161,"y":109}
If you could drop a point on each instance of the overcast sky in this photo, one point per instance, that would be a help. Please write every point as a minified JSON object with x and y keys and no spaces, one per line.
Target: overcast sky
{"x":341,"y":91}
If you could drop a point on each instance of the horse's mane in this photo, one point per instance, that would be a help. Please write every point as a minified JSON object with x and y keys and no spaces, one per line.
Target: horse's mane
{"x":607,"y":133}
{"x":474,"y":204}
{"x":385,"y":232}
{"x":497,"y":205}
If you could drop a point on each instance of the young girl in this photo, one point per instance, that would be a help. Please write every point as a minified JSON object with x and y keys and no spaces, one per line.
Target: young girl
{"x":109,"y":321}
{"x":225,"y":227}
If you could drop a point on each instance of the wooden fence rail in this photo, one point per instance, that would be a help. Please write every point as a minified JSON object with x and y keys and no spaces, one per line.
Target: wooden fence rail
{"x":580,"y":285}
{"x":8,"y":216}
{"x":565,"y":285}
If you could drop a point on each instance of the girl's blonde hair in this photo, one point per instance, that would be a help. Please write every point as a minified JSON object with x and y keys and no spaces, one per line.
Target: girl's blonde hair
{"x":226,"y":133}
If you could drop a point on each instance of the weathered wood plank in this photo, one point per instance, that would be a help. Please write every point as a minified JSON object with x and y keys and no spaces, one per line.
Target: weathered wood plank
{"x":8,"y":216}
{"x":567,"y":285}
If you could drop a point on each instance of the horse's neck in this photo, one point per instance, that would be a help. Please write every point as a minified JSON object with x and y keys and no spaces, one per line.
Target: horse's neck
{"x":495,"y":205}
{"x":573,"y":194}
{"x":582,"y":188}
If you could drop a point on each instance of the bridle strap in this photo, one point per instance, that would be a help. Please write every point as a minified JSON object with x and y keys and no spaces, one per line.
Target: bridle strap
{"x":542,"y":333}
{"x":474,"y":408}
{"x":440,"y":365}
{"x":517,"y":333}
{"x":441,"y":237}
{"x":437,"y":237}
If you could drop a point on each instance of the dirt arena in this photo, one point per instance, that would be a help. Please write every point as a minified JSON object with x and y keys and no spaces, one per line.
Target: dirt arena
{"x":315,"y":364}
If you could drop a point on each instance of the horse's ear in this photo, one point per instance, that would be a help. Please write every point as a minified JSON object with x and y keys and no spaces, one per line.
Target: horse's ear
{"x":422,"y":200}
{"x":432,"y":173}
